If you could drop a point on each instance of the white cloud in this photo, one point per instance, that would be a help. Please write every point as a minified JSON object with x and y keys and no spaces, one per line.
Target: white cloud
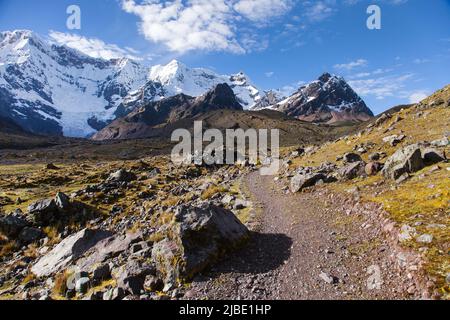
{"x":382,"y":87}
{"x":319,"y":10}
{"x":206,"y":25}
{"x":259,"y":10}
{"x":269,"y":74}
{"x":198,"y":25}
{"x":417,"y":96}
{"x":351,"y":65}
{"x":93,"y":47}
{"x":421,"y":61}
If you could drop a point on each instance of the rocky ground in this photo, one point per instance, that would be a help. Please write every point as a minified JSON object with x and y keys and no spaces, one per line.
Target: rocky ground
{"x":362,"y":217}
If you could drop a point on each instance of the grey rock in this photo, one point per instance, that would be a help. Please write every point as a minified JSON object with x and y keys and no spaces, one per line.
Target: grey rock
{"x":122,"y":176}
{"x":107,"y":248}
{"x":131,"y":277}
{"x":153,"y":283}
{"x":425,"y":238}
{"x":101,"y":272}
{"x":62,"y":201}
{"x":114,"y":294}
{"x":352,"y":170}
{"x":199,"y":236}
{"x":328,"y":279}
{"x":440,"y":142}
{"x":11,"y":225}
{"x":43,"y":211}
{"x":405,"y":160}
{"x":302,"y":181}
{"x":67,"y":251}
{"x":352,"y":157}
{"x":372,"y":168}
{"x":31,"y":234}
{"x":82,"y":285}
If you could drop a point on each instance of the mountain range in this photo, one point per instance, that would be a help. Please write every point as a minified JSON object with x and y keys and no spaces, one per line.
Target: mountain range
{"x":55,"y":90}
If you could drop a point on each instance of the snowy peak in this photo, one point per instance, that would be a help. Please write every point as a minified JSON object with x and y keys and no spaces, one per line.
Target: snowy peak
{"x":329,"y":99}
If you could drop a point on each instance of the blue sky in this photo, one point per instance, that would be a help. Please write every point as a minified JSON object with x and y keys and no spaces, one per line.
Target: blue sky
{"x":278,"y":43}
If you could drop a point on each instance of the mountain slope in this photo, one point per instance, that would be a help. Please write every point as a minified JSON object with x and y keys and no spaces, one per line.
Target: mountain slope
{"x":141,"y":122}
{"x":327,"y":100}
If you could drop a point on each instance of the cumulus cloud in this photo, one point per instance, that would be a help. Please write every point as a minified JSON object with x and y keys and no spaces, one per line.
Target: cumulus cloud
{"x":183,"y":26}
{"x":351,"y":65}
{"x":93,"y":47}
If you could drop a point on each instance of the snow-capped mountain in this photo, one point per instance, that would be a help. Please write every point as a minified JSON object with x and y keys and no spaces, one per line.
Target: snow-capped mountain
{"x":176,"y":78}
{"x":329,"y":99}
{"x":52,"y":89}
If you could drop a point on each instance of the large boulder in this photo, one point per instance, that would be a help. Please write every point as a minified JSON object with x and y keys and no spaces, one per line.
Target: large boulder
{"x":197,"y":237}
{"x":108,"y":248}
{"x":67,"y":251}
{"x":405,"y":160}
{"x":302,"y":181}
{"x":43,"y":211}
{"x":411,"y":159}
{"x":11,"y":225}
{"x":353,"y":170}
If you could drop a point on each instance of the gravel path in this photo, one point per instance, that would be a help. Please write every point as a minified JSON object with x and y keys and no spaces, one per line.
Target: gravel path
{"x":307,"y":246}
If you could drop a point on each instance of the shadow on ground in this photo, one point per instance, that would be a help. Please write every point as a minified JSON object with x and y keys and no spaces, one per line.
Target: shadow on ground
{"x":262,"y":254}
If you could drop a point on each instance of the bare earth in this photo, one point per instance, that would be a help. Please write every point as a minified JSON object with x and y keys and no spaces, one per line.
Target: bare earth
{"x":305,"y":246}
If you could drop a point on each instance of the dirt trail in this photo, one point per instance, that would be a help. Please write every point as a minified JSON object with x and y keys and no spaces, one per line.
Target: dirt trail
{"x":306,"y":247}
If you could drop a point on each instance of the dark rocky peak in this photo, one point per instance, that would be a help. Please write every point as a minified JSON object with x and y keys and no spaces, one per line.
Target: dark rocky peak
{"x":222,"y":96}
{"x":325,"y":77}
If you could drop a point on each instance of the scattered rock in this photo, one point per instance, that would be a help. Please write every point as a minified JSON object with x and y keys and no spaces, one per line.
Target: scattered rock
{"x":407,"y":233}
{"x":11,"y":225}
{"x":352,"y":158}
{"x":153,"y":283}
{"x":122,"y":176}
{"x":67,"y":251}
{"x":31,"y":234}
{"x":82,"y":285}
{"x":444,"y":142}
{"x":302,"y":181}
{"x":132,"y":276}
{"x":114,"y":294}
{"x":425,"y":238}
{"x":43,"y":211}
{"x":353,"y":170}
{"x":101,"y":272}
{"x":372,"y":168}
{"x":328,"y":279}
{"x":51,"y":166}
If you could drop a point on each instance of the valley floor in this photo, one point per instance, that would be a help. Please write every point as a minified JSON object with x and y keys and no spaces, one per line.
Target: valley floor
{"x":306,"y":246}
